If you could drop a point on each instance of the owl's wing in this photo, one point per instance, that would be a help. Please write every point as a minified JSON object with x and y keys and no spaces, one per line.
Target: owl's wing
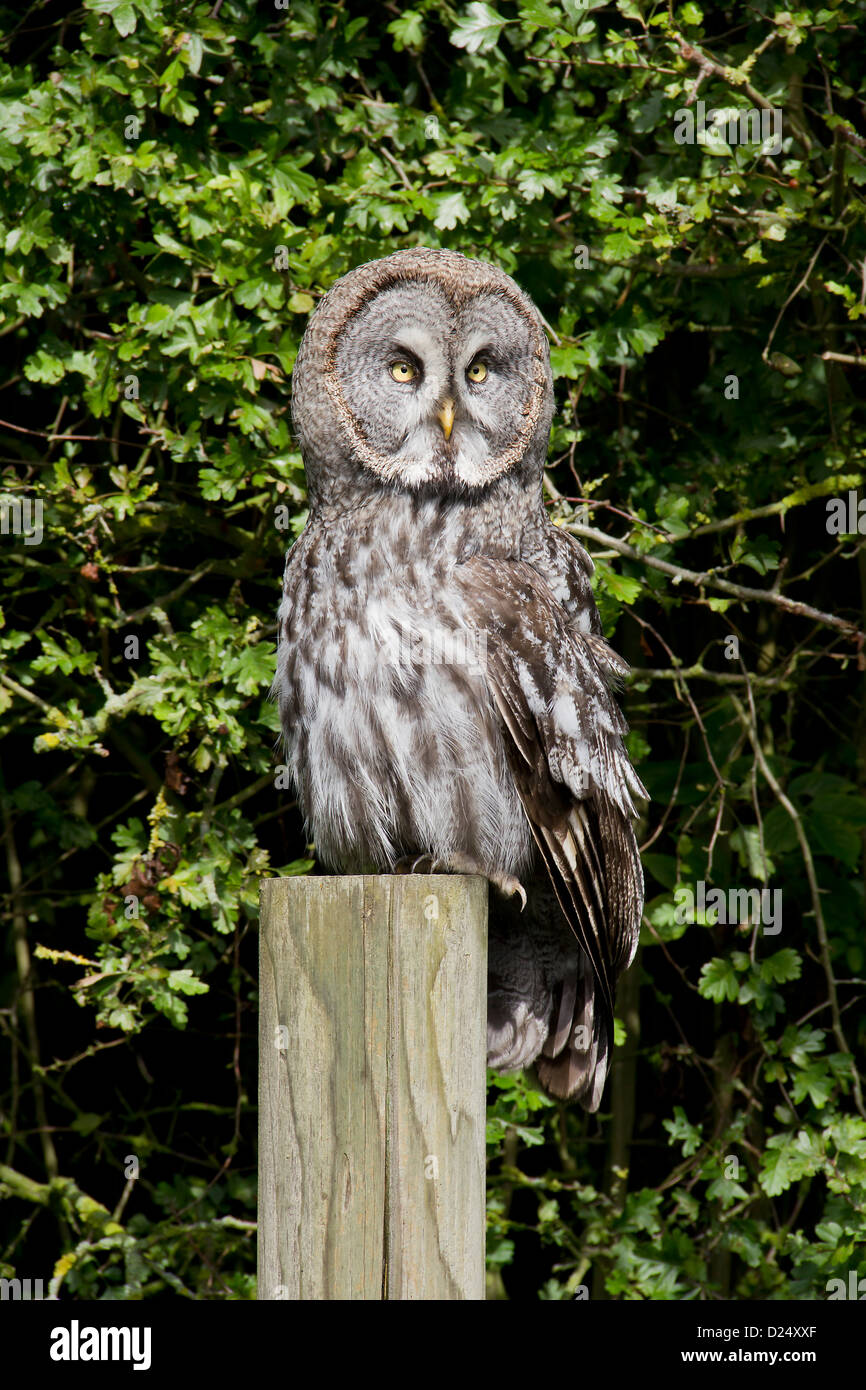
{"x":563,"y":732}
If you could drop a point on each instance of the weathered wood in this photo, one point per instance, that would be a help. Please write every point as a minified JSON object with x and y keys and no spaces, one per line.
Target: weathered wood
{"x":372,"y":1048}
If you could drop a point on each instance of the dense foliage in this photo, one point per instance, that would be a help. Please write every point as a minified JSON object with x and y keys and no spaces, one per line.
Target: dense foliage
{"x":182,"y":182}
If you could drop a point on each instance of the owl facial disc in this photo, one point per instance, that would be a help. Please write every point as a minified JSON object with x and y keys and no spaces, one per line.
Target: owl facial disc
{"x":435,"y":391}
{"x":435,"y":369}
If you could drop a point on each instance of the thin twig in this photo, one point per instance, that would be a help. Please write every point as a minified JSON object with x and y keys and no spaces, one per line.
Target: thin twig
{"x":25,"y":990}
{"x":801,"y":284}
{"x":843,"y":357}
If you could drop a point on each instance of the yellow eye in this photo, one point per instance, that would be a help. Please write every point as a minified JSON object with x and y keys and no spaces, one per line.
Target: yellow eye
{"x":403,"y":371}
{"x":477,"y":372}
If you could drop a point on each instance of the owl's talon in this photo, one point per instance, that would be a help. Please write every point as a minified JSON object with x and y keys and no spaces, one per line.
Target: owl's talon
{"x":507,"y":884}
{"x":509,"y":887}
{"x":425,"y":859}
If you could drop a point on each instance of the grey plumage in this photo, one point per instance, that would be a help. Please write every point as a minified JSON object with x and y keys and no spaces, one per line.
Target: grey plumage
{"x":444,"y":687}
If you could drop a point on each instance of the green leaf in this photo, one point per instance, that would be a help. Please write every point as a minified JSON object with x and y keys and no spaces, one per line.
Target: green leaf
{"x":621,"y":586}
{"x":815,"y":1082}
{"x":719,"y":981}
{"x":683,"y":1132}
{"x":567,"y":362}
{"x":186,"y":983}
{"x":43,"y":366}
{"x":408,"y":30}
{"x":785,"y":965}
{"x":758,"y":552}
{"x":787,"y":1159}
{"x":450,"y":209}
{"x":479,"y":29}
{"x":746,"y":840}
{"x":619,"y":246}
{"x":300,"y":303}
{"x":85,"y":164}
{"x":86,"y":1123}
{"x":123,"y":1018}
{"x":195,"y":49}
{"x":123,"y":17}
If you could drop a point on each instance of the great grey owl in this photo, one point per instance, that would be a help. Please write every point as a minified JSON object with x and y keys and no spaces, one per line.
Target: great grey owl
{"x":444,"y":686}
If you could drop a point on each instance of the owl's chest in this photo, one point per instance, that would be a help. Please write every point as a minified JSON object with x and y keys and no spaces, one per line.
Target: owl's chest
{"x":391,"y":730}
{"x":389,"y":636}
{"x":364,"y":608}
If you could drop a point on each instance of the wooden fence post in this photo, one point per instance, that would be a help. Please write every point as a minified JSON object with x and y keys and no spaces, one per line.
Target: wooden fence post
{"x":372,"y":1054}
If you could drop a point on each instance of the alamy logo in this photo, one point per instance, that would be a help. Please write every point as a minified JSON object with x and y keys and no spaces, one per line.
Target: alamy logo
{"x":846,"y":516}
{"x":854,"y":1289}
{"x":18,"y":1290}
{"x":75,"y":1343}
{"x":464,"y":647}
{"x":736,"y":907}
{"x":22,"y":516}
{"x":697,"y":125}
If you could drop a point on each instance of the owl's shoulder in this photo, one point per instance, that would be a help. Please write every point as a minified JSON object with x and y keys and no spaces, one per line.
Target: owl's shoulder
{"x":567,"y":569}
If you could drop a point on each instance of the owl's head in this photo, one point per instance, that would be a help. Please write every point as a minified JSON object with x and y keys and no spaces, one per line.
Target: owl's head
{"x":426,"y":368}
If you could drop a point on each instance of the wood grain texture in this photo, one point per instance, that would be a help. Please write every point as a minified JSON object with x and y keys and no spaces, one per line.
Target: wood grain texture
{"x":372,"y":1069}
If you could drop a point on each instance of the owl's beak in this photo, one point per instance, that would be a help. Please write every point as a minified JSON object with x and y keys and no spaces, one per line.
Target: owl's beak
{"x":446,"y":417}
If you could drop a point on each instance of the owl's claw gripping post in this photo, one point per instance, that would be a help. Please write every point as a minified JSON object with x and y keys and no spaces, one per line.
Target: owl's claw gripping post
{"x":507,"y":884}
{"x":436,"y":865}
{"x":409,"y":865}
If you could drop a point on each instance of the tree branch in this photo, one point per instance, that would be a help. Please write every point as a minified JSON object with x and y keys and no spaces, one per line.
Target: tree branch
{"x":704,"y":579}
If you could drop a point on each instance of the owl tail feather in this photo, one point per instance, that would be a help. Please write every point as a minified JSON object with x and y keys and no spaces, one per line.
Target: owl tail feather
{"x":574,"y":1061}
